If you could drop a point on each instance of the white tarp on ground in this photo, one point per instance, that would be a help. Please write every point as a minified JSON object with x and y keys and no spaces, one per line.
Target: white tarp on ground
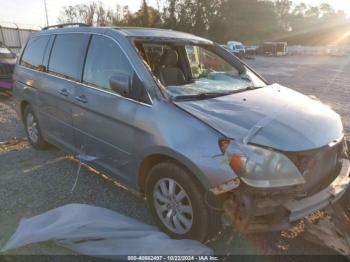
{"x":98,"y":231}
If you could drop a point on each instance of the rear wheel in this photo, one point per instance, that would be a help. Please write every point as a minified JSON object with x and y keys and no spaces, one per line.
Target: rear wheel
{"x":176,"y":202}
{"x":33,"y":129}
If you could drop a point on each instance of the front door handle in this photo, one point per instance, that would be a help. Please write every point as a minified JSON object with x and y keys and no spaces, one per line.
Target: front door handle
{"x":64,"y":92}
{"x":81,"y":99}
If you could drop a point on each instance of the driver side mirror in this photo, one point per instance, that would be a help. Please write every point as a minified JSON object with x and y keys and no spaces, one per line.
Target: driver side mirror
{"x":120,"y":83}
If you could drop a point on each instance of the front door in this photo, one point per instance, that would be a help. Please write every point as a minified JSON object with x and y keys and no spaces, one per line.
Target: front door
{"x":104,"y":120}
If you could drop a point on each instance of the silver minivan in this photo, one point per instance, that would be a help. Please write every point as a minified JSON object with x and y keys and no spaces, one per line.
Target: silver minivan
{"x":185,"y":123}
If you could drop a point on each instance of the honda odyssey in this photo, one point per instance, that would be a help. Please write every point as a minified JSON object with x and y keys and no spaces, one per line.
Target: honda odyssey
{"x":186,"y":123}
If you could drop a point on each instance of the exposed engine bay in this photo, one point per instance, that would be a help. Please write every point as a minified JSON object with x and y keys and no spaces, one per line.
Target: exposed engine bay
{"x":326,"y":173}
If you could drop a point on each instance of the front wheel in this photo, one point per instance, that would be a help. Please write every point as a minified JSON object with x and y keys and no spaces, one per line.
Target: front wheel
{"x":345,"y":203}
{"x":176,"y":202}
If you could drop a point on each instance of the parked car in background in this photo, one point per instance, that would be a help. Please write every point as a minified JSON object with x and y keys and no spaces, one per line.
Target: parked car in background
{"x":237,"y":48}
{"x":230,"y":50}
{"x":7,"y":65}
{"x":184,"y":122}
{"x":251,"y":50}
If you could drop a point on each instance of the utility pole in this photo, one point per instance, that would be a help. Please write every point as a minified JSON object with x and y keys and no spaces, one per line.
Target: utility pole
{"x":47,"y":17}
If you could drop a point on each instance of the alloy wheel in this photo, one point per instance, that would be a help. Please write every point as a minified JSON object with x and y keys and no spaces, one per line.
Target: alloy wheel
{"x":173,"y":206}
{"x":32,"y":128}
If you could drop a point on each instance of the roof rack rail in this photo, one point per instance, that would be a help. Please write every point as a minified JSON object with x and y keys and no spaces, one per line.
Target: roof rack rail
{"x":65,"y":25}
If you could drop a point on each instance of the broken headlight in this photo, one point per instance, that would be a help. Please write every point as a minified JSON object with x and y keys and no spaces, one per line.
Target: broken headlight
{"x":262,"y":168}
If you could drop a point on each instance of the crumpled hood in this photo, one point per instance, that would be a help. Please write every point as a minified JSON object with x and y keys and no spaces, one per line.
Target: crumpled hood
{"x":273,"y":116}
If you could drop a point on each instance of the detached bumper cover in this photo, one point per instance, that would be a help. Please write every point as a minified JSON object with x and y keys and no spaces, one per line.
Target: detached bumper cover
{"x":300,"y":208}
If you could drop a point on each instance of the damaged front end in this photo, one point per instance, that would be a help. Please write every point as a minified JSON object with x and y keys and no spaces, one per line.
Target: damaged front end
{"x":279,"y":188}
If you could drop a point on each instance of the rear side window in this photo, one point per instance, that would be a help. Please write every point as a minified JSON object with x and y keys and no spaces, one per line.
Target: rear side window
{"x":33,"y":53}
{"x":104,"y":59}
{"x":67,"y":55}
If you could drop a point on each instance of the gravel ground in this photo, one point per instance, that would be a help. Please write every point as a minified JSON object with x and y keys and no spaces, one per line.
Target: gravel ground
{"x":32,"y":182}
{"x":10,"y":124}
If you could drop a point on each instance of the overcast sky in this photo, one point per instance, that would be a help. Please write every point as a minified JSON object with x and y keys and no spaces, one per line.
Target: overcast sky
{"x":32,"y":12}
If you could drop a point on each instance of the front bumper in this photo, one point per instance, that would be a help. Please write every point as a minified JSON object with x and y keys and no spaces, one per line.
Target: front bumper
{"x":301,"y":208}
{"x":262,"y":215}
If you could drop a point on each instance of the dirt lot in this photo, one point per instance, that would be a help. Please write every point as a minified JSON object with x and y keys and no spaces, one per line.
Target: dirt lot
{"x":32,"y":182}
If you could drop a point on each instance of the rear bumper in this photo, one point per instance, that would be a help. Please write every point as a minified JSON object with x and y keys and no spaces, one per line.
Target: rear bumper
{"x":273,"y":213}
{"x":6,"y":84}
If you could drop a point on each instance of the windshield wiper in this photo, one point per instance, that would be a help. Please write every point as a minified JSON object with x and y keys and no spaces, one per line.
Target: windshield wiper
{"x":250,"y":88}
{"x":208,"y":95}
{"x":201,"y":96}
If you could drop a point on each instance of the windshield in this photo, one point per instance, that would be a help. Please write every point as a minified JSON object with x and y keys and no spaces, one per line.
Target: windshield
{"x":192,"y":70}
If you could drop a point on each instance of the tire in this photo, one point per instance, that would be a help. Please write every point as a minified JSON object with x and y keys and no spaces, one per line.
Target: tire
{"x":181,"y":224}
{"x":32,"y":129}
{"x":345,"y":202}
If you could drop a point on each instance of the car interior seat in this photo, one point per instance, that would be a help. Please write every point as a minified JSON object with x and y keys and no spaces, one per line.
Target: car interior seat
{"x":169,"y":72}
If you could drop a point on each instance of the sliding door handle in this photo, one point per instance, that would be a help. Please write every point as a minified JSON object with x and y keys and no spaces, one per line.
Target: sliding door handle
{"x":81,"y":99}
{"x":64,"y":92}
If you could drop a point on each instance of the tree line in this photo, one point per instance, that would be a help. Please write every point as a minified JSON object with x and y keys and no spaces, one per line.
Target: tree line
{"x":249,"y":21}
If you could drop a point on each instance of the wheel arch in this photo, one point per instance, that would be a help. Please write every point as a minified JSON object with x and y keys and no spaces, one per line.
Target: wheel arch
{"x":151,"y":160}
{"x":23,"y":106}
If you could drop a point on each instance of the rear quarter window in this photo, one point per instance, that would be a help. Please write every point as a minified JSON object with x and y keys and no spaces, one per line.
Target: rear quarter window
{"x":67,"y":55}
{"x":34,"y":52}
